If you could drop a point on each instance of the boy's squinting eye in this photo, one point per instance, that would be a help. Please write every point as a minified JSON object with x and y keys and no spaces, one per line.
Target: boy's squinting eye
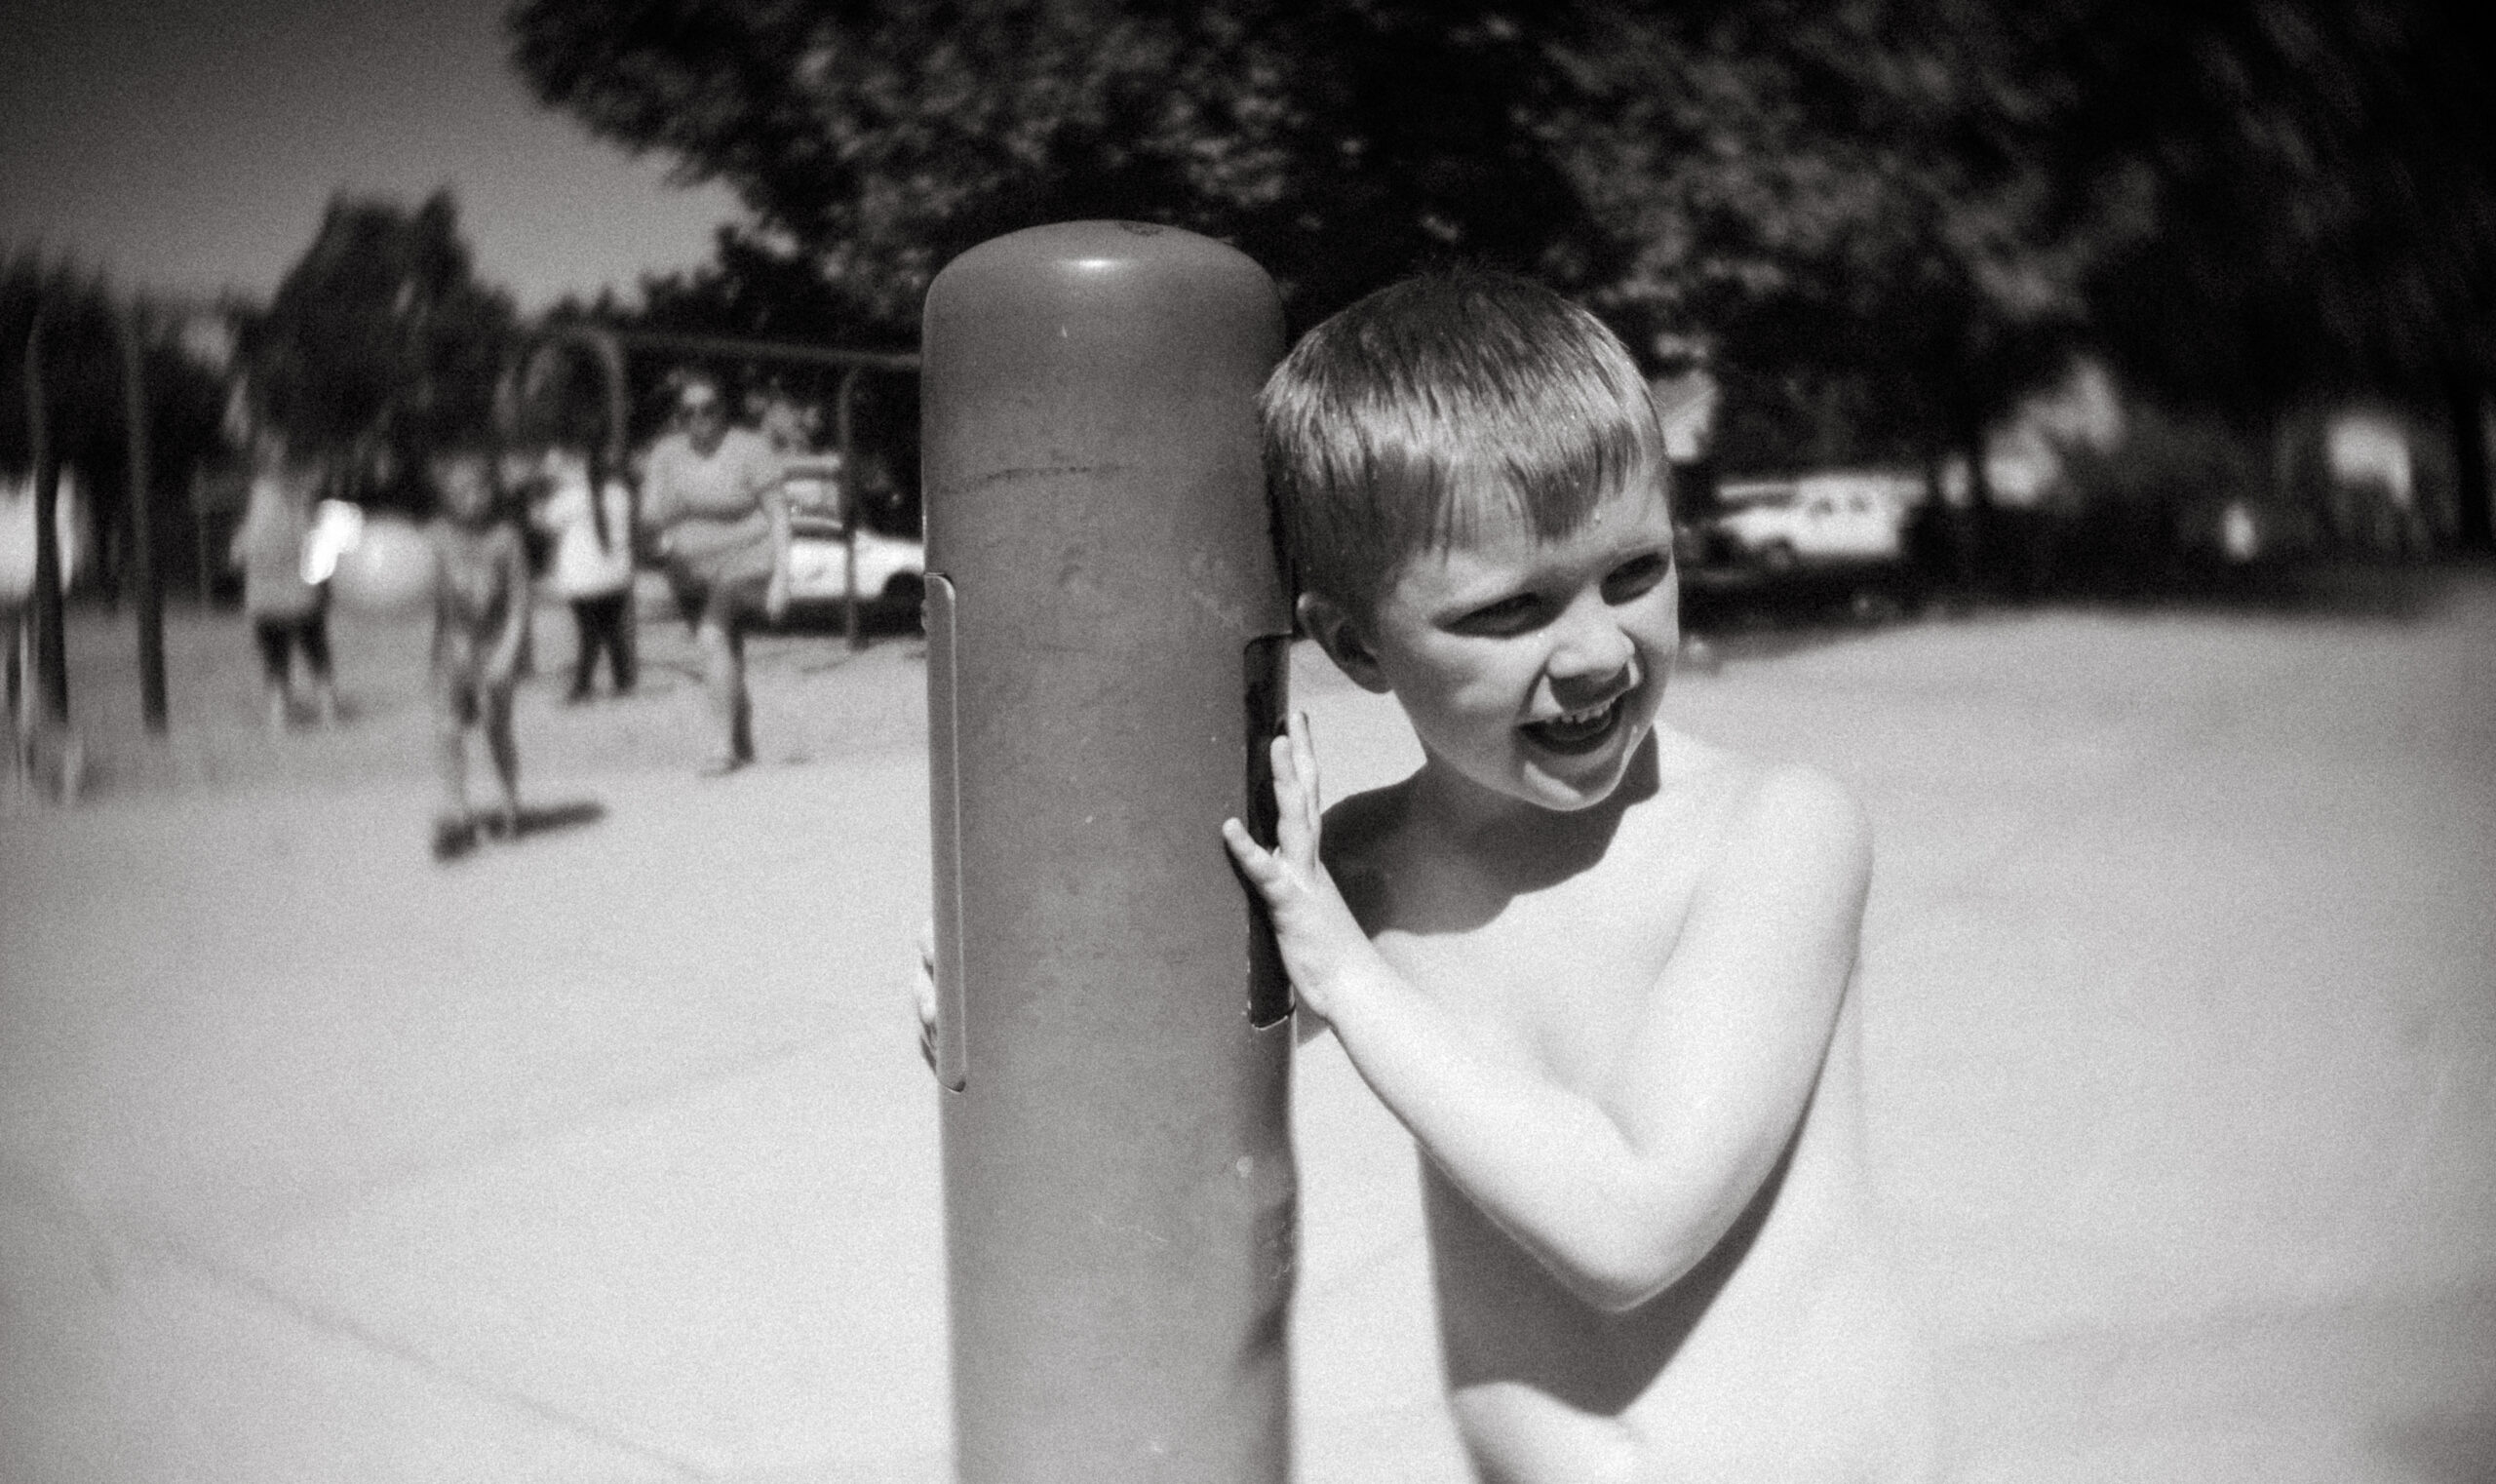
{"x":1513,"y":614}
{"x":1635,"y":577}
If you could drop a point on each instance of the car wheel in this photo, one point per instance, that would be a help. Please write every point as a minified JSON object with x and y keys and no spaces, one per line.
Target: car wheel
{"x":1777,"y":557}
{"x":904,"y":590}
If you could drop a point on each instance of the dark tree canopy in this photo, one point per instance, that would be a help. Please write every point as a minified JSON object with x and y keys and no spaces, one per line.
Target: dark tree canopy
{"x":83,"y":368}
{"x":1339,"y":144}
{"x":1819,"y":190}
{"x":380,"y":343}
{"x":1888,"y":220}
{"x":2321,"y":178}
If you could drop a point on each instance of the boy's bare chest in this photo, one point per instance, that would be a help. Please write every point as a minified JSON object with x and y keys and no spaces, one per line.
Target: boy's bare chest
{"x":1561,"y":975}
{"x":473,"y":573}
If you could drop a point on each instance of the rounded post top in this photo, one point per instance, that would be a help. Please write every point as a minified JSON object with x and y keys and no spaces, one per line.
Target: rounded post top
{"x":1085,"y":259}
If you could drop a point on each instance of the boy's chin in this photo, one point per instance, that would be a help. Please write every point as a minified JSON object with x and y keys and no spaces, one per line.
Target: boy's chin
{"x":1568,"y":793}
{"x":1564,"y":784}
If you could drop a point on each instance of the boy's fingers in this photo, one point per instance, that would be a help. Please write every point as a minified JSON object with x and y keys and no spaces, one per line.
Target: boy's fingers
{"x":1286,"y":763}
{"x":1265,"y":869}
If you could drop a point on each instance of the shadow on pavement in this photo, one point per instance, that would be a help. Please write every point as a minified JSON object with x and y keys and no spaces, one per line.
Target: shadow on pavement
{"x":552,"y":818}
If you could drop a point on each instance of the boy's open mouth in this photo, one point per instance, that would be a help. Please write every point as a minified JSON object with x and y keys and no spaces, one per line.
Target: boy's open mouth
{"x":1577,"y":731}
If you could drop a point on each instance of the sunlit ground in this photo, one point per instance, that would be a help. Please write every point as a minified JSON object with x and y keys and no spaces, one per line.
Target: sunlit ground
{"x":607,"y":1154}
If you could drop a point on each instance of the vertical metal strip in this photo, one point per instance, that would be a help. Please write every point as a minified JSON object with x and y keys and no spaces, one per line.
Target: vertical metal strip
{"x":944,"y":779}
{"x":1266,"y":694}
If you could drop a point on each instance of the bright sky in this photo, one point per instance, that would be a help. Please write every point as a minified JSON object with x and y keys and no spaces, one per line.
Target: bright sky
{"x":191,"y":145}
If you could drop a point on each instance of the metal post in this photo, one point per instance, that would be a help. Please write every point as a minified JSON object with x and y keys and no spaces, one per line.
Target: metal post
{"x":142,"y":536}
{"x":52,"y":652}
{"x":848,"y":445}
{"x":1105,"y":634}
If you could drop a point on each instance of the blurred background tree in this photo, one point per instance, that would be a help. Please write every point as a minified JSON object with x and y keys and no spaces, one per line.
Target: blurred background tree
{"x":82,"y":371}
{"x":1883,"y":223}
{"x":2321,"y":179}
{"x":1847,"y":207}
{"x":379,"y":344}
{"x":1337,"y":143}
{"x":1835,"y":201}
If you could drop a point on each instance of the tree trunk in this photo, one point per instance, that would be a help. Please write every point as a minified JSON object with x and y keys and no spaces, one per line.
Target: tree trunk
{"x":1972,"y":530}
{"x":2466,"y":396}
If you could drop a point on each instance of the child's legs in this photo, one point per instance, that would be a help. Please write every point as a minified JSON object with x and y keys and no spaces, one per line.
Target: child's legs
{"x":275,"y":638}
{"x":591,"y":635}
{"x":602,"y":626}
{"x":455,"y":709}
{"x":14,"y":627}
{"x":722,"y":637}
{"x":620,"y":653}
{"x":722,"y":671}
{"x":494,"y":707}
{"x":314,"y":636}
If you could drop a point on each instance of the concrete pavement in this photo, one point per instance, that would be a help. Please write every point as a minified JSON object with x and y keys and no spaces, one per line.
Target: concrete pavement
{"x":607,"y":1156}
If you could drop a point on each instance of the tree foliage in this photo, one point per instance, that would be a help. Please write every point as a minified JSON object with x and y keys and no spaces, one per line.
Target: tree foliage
{"x":1811,"y":187}
{"x":87,"y":412}
{"x":1888,"y":220}
{"x":380,"y":343}
{"x":2321,"y":175}
{"x":1337,"y":143}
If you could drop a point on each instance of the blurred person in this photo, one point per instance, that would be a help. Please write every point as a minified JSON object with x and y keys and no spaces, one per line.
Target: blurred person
{"x":480,"y":616}
{"x":718,"y":519}
{"x":289,"y":613}
{"x":18,"y":560}
{"x":592,"y":568}
{"x":782,"y":422}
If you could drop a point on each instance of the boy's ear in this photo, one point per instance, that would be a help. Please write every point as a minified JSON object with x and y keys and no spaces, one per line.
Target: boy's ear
{"x":1338,"y":634}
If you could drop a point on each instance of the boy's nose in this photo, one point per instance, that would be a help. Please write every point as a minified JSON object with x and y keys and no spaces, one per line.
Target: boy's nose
{"x":1588,"y":646}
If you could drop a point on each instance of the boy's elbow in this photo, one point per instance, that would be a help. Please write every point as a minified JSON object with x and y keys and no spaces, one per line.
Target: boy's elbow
{"x":1619,"y":1271}
{"x":1617,"y":1288}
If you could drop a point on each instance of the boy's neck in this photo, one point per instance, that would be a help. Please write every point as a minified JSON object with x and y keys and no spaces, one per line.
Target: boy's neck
{"x":1519,"y":838}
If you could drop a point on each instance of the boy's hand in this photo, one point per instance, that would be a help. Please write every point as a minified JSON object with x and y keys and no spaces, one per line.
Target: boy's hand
{"x":1316,"y":932}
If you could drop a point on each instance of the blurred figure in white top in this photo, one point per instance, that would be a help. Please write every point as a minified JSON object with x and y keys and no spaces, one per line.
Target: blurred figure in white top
{"x":593,"y":565}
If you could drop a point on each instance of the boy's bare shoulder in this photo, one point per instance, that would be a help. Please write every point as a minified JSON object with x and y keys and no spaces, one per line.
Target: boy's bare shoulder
{"x":1761,"y":824}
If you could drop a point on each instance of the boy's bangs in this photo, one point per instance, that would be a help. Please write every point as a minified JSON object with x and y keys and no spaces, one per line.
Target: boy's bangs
{"x":1442,"y":411}
{"x":1540,"y":463}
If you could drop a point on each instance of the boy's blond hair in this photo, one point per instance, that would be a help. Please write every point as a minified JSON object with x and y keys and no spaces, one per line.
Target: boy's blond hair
{"x":1440,"y":406}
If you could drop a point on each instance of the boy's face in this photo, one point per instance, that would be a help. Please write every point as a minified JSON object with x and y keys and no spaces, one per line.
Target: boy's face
{"x":467,"y":487}
{"x":1531,"y":669}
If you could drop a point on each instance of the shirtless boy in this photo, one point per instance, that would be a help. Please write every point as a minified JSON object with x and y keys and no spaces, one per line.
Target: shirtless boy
{"x":481,"y":621}
{"x":1603,"y":971}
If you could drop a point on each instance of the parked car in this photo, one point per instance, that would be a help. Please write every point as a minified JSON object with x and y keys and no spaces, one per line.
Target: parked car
{"x":1825,"y":518}
{"x":891,"y":569}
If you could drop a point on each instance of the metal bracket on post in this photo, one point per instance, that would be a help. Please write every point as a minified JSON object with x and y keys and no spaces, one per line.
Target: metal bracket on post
{"x":944,"y":788}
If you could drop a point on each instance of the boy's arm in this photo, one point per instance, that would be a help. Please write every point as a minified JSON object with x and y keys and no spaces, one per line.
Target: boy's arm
{"x":658,"y":499}
{"x":1618,"y":1190}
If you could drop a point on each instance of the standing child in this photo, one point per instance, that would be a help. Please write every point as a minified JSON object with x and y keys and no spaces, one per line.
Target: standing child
{"x":593,"y":565}
{"x":480,"y":619}
{"x":288,"y":615}
{"x":1603,"y":971}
